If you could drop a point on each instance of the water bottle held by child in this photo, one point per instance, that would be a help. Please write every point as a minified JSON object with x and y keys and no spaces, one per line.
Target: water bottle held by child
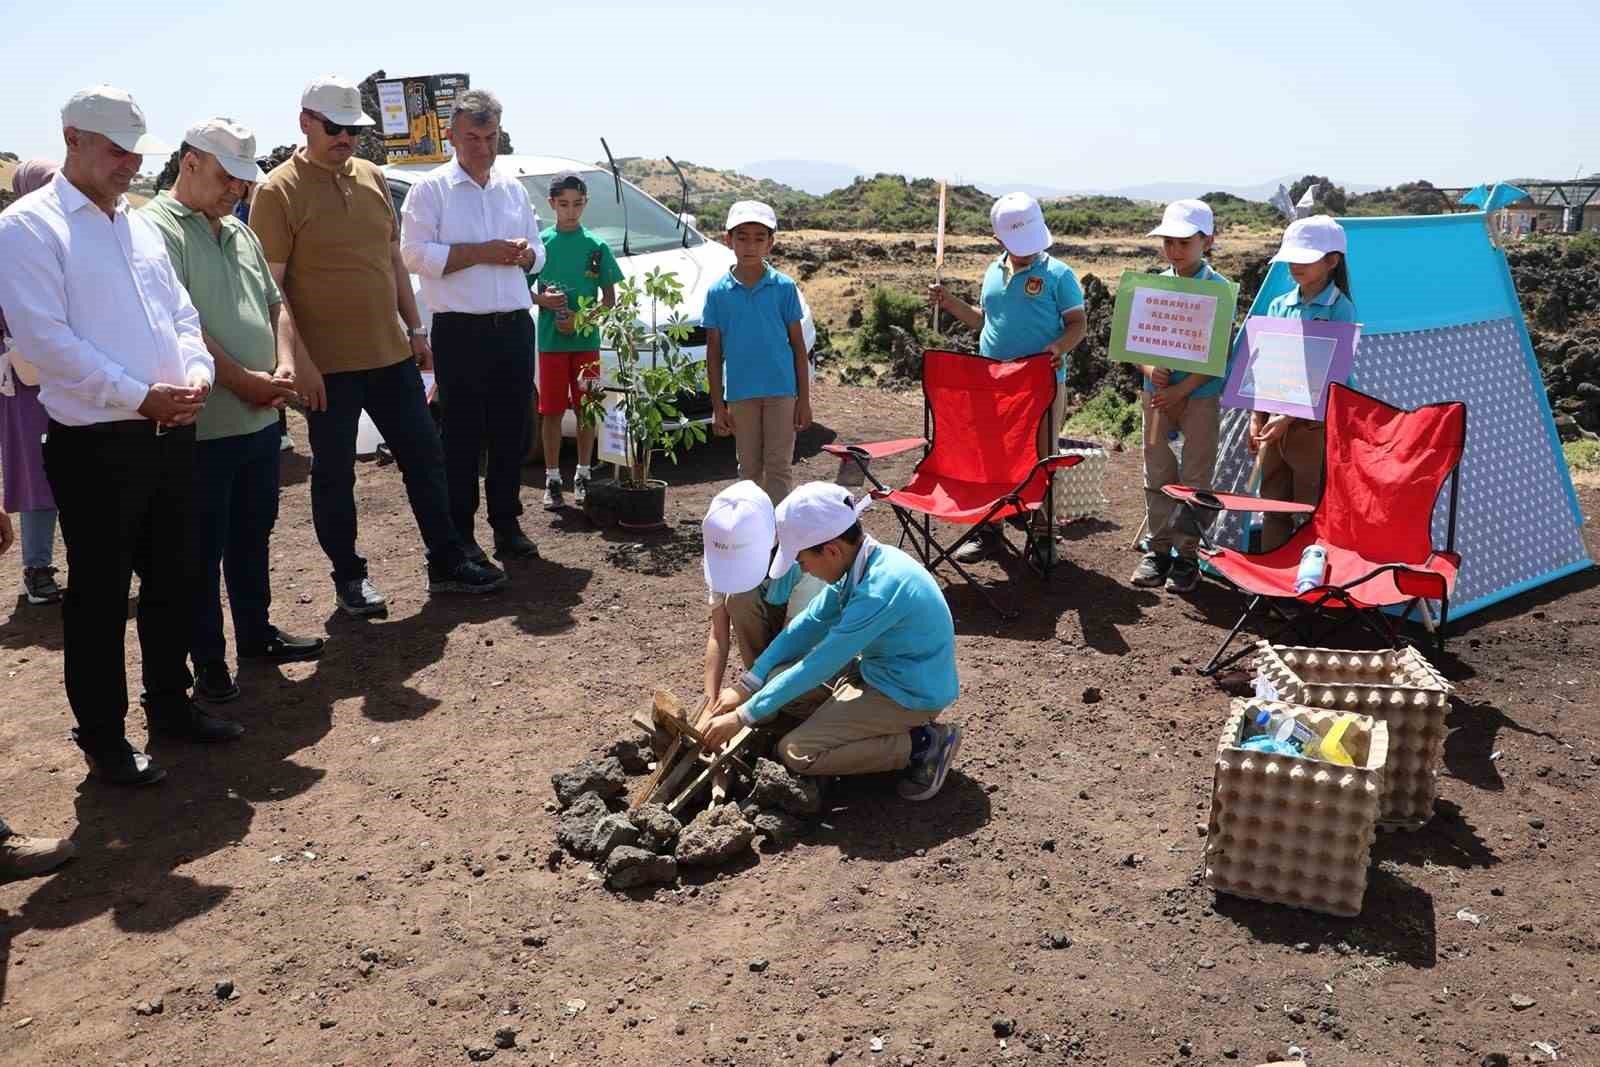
{"x":1313,"y":569}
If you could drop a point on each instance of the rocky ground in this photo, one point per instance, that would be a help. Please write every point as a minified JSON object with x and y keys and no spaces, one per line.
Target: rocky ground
{"x":367,"y":878}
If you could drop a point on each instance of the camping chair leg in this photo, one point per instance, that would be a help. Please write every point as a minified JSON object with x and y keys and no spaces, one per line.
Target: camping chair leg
{"x":1216,"y":663}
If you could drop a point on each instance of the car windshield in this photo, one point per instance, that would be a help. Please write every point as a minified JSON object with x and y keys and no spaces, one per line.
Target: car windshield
{"x":651,"y":227}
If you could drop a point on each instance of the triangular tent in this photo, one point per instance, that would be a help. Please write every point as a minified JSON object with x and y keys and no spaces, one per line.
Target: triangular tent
{"x":1440,"y":321}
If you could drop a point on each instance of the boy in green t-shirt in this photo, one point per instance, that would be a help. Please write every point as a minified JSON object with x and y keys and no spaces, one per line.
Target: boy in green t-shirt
{"x":577,"y":264}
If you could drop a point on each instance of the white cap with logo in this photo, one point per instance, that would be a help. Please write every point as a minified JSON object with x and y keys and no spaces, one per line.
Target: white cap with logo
{"x":813,"y":514}
{"x":752,"y":211}
{"x":111,"y":113}
{"x":337,"y":100}
{"x":1185,"y":218}
{"x":1019,"y":223}
{"x":739,"y":530}
{"x":1308,"y":240}
{"x":232,"y":144}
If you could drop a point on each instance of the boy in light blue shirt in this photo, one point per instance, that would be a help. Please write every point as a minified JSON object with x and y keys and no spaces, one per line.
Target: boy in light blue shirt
{"x":756,"y":353}
{"x":869,"y":664}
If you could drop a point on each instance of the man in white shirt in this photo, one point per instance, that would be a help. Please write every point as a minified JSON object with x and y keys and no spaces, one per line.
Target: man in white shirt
{"x":91,"y":295}
{"x":470,"y":232}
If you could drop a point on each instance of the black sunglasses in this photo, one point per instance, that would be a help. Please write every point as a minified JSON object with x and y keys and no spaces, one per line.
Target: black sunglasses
{"x":333,"y":129}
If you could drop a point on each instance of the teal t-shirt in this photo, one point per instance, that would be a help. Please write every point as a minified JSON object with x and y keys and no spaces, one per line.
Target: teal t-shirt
{"x":754,"y":320}
{"x":1330,"y":305}
{"x":1022,"y":314}
{"x":581,"y":265}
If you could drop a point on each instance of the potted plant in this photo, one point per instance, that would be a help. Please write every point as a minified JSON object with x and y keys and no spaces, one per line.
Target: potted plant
{"x":653,"y":372}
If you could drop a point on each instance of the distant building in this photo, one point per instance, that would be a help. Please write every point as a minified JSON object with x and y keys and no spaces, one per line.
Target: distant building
{"x":1553,"y":207}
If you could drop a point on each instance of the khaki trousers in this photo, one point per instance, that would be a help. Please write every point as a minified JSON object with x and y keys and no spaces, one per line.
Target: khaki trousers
{"x":849,"y":728}
{"x":1198,"y":420}
{"x":754,"y":623}
{"x":1291,"y":469}
{"x":763,"y":438}
{"x":1050,"y":432}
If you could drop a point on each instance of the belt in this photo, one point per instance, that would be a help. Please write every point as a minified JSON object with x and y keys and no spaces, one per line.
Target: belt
{"x":496,"y":318}
{"x":123,"y":428}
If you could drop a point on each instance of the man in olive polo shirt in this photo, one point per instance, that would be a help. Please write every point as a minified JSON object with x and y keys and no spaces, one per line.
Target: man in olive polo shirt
{"x":220,"y":262}
{"x":333,"y":244}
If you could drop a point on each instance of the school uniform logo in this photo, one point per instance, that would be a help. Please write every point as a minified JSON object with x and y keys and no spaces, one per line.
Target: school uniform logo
{"x":1033,"y":286}
{"x":593,"y":270}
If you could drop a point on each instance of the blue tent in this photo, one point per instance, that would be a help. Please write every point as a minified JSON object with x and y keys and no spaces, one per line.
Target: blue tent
{"x":1441,"y":321}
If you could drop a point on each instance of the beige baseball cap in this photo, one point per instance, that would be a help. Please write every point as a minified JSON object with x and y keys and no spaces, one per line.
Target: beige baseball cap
{"x":111,"y":112}
{"x":337,"y":100}
{"x":232,"y":144}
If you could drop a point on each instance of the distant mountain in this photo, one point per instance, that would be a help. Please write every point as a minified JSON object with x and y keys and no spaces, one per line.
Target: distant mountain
{"x":812,"y":176}
{"x":1166,"y":191}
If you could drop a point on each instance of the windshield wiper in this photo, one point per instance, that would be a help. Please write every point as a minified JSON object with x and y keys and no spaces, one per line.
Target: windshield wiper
{"x":683,"y":201}
{"x":616,"y":176}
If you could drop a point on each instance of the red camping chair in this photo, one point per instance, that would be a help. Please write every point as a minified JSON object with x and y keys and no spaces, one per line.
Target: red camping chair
{"x":980,"y":463}
{"x":1382,"y":474}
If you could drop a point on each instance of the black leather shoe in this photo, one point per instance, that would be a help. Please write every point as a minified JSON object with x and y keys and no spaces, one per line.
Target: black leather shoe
{"x":120,"y":765}
{"x":282,"y":648}
{"x":475,"y":552}
{"x":511,"y":543}
{"x":213,"y":683}
{"x":466,"y":577}
{"x":188,"y":722}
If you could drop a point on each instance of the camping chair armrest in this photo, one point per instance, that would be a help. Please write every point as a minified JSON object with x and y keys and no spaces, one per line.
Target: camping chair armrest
{"x":876,"y":449}
{"x":1057,"y":462}
{"x":1205,"y":498}
{"x":1412,"y":581}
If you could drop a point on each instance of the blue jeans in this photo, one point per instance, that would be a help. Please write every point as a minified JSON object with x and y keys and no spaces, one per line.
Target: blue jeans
{"x":236,"y":493}
{"x":38,"y":537}
{"x":394,"y":398}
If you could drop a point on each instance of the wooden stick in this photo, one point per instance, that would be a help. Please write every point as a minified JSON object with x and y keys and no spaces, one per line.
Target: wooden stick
{"x":938,"y":253}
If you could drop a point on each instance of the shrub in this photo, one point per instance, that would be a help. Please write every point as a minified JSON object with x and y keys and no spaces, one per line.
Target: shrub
{"x":888,"y":308}
{"x":1582,"y":455}
{"x":1108,"y":417}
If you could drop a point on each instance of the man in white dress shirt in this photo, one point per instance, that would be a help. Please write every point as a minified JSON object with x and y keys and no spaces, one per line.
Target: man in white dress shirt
{"x":91,"y":295}
{"x":470,"y":232}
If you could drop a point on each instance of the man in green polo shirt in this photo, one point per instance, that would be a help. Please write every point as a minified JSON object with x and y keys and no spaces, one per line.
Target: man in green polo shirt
{"x":220,"y":262}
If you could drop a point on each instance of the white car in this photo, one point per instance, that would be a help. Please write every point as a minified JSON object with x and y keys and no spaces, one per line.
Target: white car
{"x":654,"y":236}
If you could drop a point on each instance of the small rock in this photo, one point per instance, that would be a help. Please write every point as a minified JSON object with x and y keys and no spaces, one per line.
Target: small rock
{"x":629,"y":867}
{"x":1521,"y":1002}
{"x":1305,"y":946}
{"x":1048,"y":844}
{"x":604,"y":778}
{"x":479,"y":1053}
{"x":364,"y":969}
{"x":633,"y":754}
{"x":327,"y":1024}
{"x":1206,"y":963}
{"x":535,"y":940}
{"x":371,"y":955}
{"x":152,"y":1006}
{"x":1004,"y":1027}
{"x":658,"y":828}
{"x":22,"y":1023}
{"x":505,"y":1037}
{"x":1083,"y":794}
{"x":1229,"y":1052}
{"x":1536,"y":823}
{"x":1132,"y":859}
{"x":778,"y":827}
{"x":876,"y":1044}
{"x":223,"y":989}
{"x":573,"y":1007}
{"x":758,"y":965}
{"x":1296,"y":1015}
{"x":714,"y":836}
{"x":1055,"y":940}
{"x":1495,"y":1059}
{"x":610,"y":832}
{"x":775,"y":787}
{"x":575,"y":832}
{"x":1091,"y":694}
{"x":477,"y":870}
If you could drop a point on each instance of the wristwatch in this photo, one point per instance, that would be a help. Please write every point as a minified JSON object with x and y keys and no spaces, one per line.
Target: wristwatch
{"x":418,"y":331}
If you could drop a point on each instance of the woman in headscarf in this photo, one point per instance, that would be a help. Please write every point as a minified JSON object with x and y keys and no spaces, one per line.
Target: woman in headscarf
{"x":22,"y":427}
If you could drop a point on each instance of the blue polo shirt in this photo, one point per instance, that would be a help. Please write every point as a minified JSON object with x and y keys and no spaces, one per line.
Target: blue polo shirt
{"x":1022,"y":315}
{"x":1330,"y":305}
{"x":757,"y":359}
{"x":1214,"y":386}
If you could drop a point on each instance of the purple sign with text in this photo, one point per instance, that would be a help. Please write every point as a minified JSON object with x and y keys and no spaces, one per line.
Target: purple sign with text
{"x":1284,"y":365}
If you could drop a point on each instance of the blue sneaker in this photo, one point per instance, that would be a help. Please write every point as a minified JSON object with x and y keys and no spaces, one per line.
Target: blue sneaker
{"x":925,"y":777}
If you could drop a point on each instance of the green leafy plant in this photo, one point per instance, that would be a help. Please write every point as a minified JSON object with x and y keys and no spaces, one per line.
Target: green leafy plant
{"x":653,"y":372}
{"x":1109,"y":417}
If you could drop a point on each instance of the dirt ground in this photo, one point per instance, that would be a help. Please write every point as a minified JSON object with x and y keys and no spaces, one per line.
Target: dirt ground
{"x":368,"y":867}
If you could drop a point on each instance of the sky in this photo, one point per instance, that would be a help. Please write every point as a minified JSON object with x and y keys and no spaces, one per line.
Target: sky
{"x":1058,"y":93}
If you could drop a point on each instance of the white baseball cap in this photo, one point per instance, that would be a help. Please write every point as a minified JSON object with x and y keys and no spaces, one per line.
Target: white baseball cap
{"x":111,"y":113}
{"x":739,"y":531}
{"x":232,"y":144}
{"x":1308,"y":240}
{"x":1185,"y":218}
{"x":1019,"y":223}
{"x":336,"y":100}
{"x":813,"y":514}
{"x":752,"y":211}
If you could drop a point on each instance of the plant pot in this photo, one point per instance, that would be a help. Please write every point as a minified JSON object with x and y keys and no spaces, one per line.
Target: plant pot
{"x":632,"y":509}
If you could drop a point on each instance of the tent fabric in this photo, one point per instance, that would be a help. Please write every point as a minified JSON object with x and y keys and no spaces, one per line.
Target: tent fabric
{"x":1441,"y":322}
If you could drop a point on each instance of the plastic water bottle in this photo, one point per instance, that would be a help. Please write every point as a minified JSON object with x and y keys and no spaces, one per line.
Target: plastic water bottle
{"x":1287,"y":729}
{"x":1313,"y":568}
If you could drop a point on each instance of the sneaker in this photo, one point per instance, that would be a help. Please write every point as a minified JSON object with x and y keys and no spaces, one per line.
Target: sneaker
{"x":1152,"y":571}
{"x":466,"y":577}
{"x":213,"y":684}
{"x":25,"y":857}
{"x":359,"y":597}
{"x":284,"y":647}
{"x":40,"y":585}
{"x":979,"y":547}
{"x":511,"y":543}
{"x":580,"y":490}
{"x":925,"y":777}
{"x":1184,"y":575}
{"x":553,"y":500}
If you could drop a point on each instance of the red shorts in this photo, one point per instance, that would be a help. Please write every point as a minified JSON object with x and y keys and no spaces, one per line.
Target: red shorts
{"x":560,"y":375}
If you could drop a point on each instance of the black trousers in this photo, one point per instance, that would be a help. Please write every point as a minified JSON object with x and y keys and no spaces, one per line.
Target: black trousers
{"x":483,"y":365}
{"x":123,"y":493}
